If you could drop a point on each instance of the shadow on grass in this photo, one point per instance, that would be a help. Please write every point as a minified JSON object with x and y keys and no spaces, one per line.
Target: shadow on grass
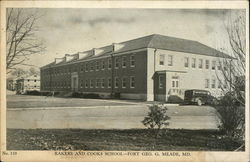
{"x":131,"y":139}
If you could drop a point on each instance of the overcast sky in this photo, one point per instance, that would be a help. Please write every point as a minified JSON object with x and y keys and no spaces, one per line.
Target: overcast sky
{"x":73,"y":30}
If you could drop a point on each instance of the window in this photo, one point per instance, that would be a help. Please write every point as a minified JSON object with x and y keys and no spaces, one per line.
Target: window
{"x":35,"y":80}
{"x":177,"y":83}
{"x":200,"y":63}
{"x":109,"y":83}
{"x":116,"y":82}
{"x":109,"y":63}
{"x":170,"y":60}
{"x":213,"y":65}
{"x":124,"y":59}
{"x":116,"y":62}
{"x":97,"y":83}
{"x":162,"y":59}
{"x":186,"y":61}
{"x":132,"y":61}
{"x":91,"y":83}
{"x":219,"y":65}
{"x":161,"y":81}
{"x":193,"y":62}
{"x":103,"y":82}
{"x":82,"y":67}
{"x":91,"y":66}
{"x":81,"y":83}
{"x":103,"y":65}
{"x":206,"y":83}
{"x":86,"y":83}
{"x":132,"y":82}
{"x":207,"y":64}
{"x":173,"y":83}
{"x":123,"y":82}
{"x":97,"y":65}
{"x":213,"y":83}
{"x":86,"y":67}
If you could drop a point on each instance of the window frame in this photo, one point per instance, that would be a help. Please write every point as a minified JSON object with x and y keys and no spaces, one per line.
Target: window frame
{"x":124,"y":60}
{"x":200,"y":64}
{"x":161,"y":84}
{"x":193,"y":64}
{"x":207,"y":83}
{"x":116,"y":62}
{"x":170,"y":60}
{"x":116,"y":82}
{"x":207,"y":64}
{"x":132,"y":60}
{"x":213,"y":66}
{"x":213,"y":83}
{"x":109,"y":82}
{"x":162,"y":59}
{"x":97,"y":65}
{"x":132,"y":82}
{"x":186,"y":62}
{"x":124,"y":80}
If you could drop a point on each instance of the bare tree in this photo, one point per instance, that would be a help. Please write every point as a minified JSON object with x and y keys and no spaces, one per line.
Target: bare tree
{"x":21,"y":41}
{"x":232,"y":107}
{"x":233,"y":73}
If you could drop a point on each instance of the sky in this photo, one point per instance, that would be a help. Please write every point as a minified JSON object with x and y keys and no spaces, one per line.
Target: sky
{"x":68,"y":31}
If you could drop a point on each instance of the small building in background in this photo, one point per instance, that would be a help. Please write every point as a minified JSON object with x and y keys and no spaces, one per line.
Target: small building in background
{"x":11,"y":84}
{"x":31,"y":83}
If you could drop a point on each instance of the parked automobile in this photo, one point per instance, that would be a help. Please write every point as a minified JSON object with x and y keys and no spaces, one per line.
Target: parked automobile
{"x":199,"y":97}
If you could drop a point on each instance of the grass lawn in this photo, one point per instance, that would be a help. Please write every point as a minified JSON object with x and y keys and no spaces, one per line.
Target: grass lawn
{"x":130,"y":139}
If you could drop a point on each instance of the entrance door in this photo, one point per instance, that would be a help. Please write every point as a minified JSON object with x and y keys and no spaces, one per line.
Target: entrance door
{"x":74,"y":82}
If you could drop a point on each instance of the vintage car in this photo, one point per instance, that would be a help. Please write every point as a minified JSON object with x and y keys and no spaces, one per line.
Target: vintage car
{"x":199,"y":97}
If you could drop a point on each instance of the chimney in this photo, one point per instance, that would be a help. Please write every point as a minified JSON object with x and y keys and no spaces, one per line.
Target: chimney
{"x":117,"y":46}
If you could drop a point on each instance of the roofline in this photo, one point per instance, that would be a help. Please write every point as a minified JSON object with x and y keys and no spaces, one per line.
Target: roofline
{"x":91,"y":58}
{"x":193,"y":53}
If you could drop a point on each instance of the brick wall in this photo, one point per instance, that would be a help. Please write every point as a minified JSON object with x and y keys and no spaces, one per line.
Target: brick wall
{"x":60,"y":76}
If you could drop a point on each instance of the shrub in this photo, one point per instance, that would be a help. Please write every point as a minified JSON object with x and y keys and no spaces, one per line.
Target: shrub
{"x":156,"y":118}
{"x":34,"y":92}
{"x":232,"y":116}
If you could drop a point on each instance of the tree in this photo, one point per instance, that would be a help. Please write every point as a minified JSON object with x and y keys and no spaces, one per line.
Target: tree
{"x":157,"y":118}
{"x":18,"y":72}
{"x":33,"y":71}
{"x":21,"y":41}
{"x":234,"y":70}
{"x":232,"y":106}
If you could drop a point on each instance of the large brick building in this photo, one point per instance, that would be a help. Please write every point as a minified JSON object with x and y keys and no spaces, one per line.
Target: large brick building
{"x":153,"y":67}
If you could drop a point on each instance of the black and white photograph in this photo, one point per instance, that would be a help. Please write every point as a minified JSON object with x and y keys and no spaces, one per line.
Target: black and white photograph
{"x":125,"y":81}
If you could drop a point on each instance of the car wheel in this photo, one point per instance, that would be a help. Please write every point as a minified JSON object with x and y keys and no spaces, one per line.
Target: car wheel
{"x":199,"y":103}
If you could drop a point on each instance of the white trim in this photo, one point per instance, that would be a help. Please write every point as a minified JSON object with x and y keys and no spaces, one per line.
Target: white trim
{"x":131,"y":82}
{"x":123,"y":82}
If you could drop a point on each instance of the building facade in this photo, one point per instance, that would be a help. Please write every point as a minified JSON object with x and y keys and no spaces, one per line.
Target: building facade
{"x":23,"y":85}
{"x":154,"y":67}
